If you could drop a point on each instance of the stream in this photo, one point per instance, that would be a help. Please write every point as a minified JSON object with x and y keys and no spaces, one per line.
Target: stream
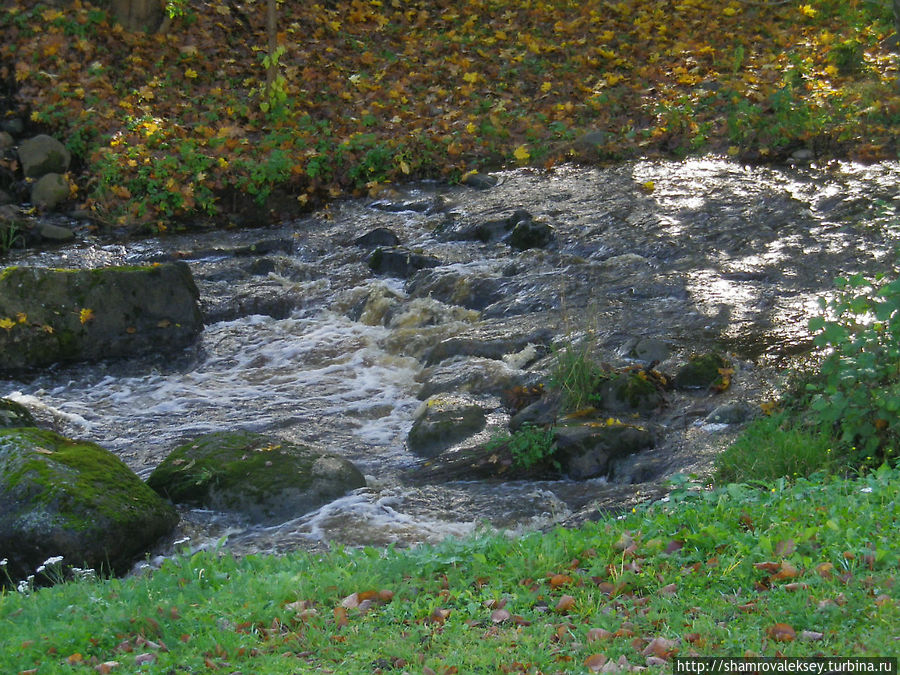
{"x":303,"y":341}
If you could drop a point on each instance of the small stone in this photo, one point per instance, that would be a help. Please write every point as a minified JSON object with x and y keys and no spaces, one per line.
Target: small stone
{"x":6,"y":140}
{"x":530,"y":234}
{"x":14,"y":126}
{"x":480,"y":181}
{"x":50,"y":232}
{"x":803,"y":156}
{"x":380,"y":236}
{"x":651,"y":349}
{"x":735,"y":412}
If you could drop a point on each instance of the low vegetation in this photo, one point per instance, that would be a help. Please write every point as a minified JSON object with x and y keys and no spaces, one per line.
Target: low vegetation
{"x":800,"y":568}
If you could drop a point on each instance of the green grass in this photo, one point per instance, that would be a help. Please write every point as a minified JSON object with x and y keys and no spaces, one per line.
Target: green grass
{"x":775,"y":447}
{"x":710,"y":571}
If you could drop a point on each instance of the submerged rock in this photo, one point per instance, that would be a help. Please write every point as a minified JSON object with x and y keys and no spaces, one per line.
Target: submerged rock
{"x":60,"y":497}
{"x":14,"y":414}
{"x":265,"y":478}
{"x":443,"y":422}
{"x":49,"y":190}
{"x":380,"y":236}
{"x":65,"y":315}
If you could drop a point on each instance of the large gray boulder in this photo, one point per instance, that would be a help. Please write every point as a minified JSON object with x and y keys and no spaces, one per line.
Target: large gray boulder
{"x":43,"y":154}
{"x":443,"y":421}
{"x":63,"y":315}
{"x":264,"y":478}
{"x":60,"y":497}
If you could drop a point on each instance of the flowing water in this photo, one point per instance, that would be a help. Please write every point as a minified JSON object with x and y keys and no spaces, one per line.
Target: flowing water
{"x":304,"y":342}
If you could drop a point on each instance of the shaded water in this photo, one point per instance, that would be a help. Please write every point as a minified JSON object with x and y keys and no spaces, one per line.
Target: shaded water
{"x":304,"y":342}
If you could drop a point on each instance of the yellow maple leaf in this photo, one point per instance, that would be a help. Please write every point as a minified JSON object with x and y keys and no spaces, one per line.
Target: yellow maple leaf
{"x":7,"y":323}
{"x":648,"y":186}
{"x":471,"y":78}
{"x":545,"y":87}
{"x":21,"y":317}
{"x":190,"y":73}
{"x":521,"y":153}
{"x":808,"y":10}
{"x":86,"y":315}
{"x":471,"y":128}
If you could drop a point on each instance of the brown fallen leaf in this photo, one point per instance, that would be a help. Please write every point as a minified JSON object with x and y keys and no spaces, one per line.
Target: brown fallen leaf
{"x":781,"y":632}
{"x":385,"y":596}
{"x":146,"y":657}
{"x":595,"y":634}
{"x":340,"y":616}
{"x":786,"y":570}
{"x":796,"y":586}
{"x":106,"y":667}
{"x":500,"y":615}
{"x":558,"y":580}
{"x":565,"y":603}
{"x":595,"y":662}
{"x":769,"y":566}
{"x":811,"y":635}
{"x":669,"y":589}
{"x":661,"y":647}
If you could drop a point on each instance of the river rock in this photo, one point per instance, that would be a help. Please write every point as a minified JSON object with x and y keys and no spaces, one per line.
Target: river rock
{"x":443,"y":421}
{"x":631,"y":390}
{"x":64,"y":315}
{"x":264,"y":478}
{"x":60,"y":497}
{"x":701,"y":371}
{"x":480,"y":181}
{"x":588,"y":450}
{"x":452,"y":287}
{"x":490,"y":347}
{"x":542,"y":412}
{"x":530,"y":234}
{"x":43,"y":154}
{"x":399,"y":262}
{"x":6,"y":140}
{"x":735,"y":412}
{"x":49,"y":190}
{"x":55,"y":233}
{"x":651,"y":350}
{"x":380,"y":236}
{"x":14,"y":414}
{"x":471,"y":376}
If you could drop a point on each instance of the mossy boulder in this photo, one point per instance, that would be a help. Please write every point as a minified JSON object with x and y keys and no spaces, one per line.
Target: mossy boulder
{"x":14,"y":414}
{"x":62,"y":315}
{"x":588,"y":450}
{"x":60,"y":497}
{"x":266,"y":479}
{"x":443,"y":422}
{"x":632,"y":390}
{"x":43,"y":154}
{"x":702,"y":371}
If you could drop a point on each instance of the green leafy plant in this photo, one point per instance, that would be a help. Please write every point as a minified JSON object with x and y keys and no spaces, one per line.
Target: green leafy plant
{"x":529,"y":446}
{"x":11,"y":236}
{"x":857,"y":392}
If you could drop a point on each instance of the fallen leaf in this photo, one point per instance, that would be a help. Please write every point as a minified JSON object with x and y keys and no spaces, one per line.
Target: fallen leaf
{"x":565,"y":603}
{"x":558,"y":580}
{"x":340,"y":616}
{"x":595,"y":662}
{"x":595,"y":634}
{"x":781,"y":632}
{"x":500,"y":615}
{"x":106,"y":667}
{"x":146,"y":657}
{"x":661,"y":647}
{"x":72,"y":659}
{"x":811,"y":636}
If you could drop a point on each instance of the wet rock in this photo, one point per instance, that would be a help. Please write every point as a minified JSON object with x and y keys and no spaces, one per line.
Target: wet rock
{"x":6,"y":140}
{"x":543,"y":412}
{"x":530,"y":234}
{"x":701,"y":371}
{"x":399,"y":262}
{"x":443,"y":421}
{"x":264,"y":478}
{"x":480,"y":181}
{"x":271,"y":301}
{"x":472,"y":376}
{"x":586,"y":451}
{"x":631,"y":390}
{"x":736,"y":412}
{"x":472,"y":291}
{"x":13,"y":125}
{"x":637,"y":468}
{"x":55,"y":233}
{"x":42,"y":155}
{"x":65,"y":315}
{"x":266,"y":247}
{"x":500,"y":229}
{"x":376,"y":308}
{"x":49,"y":191}
{"x":490,"y":348}
{"x":380,"y":236}
{"x":73,"y":499}
{"x":14,"y":414}
{"x":651,"y":350}
{"x":415,"y":206}
{"x":588,"y":144}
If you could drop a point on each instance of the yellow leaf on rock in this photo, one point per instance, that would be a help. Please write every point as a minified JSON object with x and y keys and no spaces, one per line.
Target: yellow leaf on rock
{"x":521,"y":153}
{"x":86,"y":315}
{"x":7,"y":323}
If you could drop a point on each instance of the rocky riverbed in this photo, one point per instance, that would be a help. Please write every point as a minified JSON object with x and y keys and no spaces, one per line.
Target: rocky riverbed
{"x":333,"y":330}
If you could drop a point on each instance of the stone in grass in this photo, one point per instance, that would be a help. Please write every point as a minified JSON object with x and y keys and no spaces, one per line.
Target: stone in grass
{"x":74,"y":499}
{"x":264,"y":478}
{"x":443,"y":422}
{"x":703,"y":371}
{"x":14,"y":414}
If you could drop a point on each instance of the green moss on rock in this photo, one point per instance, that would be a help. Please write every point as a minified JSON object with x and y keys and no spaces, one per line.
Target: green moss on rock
{"x":74,"y":499}
{"x":262,"y":477}
{"x":14,"y":414}
{"x":701,"y":371}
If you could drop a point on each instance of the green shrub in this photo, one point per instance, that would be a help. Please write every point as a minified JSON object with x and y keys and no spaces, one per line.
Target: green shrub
{"x":576,"y":376}
{"x":857,"y":390}
{"x":529,"y":446}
